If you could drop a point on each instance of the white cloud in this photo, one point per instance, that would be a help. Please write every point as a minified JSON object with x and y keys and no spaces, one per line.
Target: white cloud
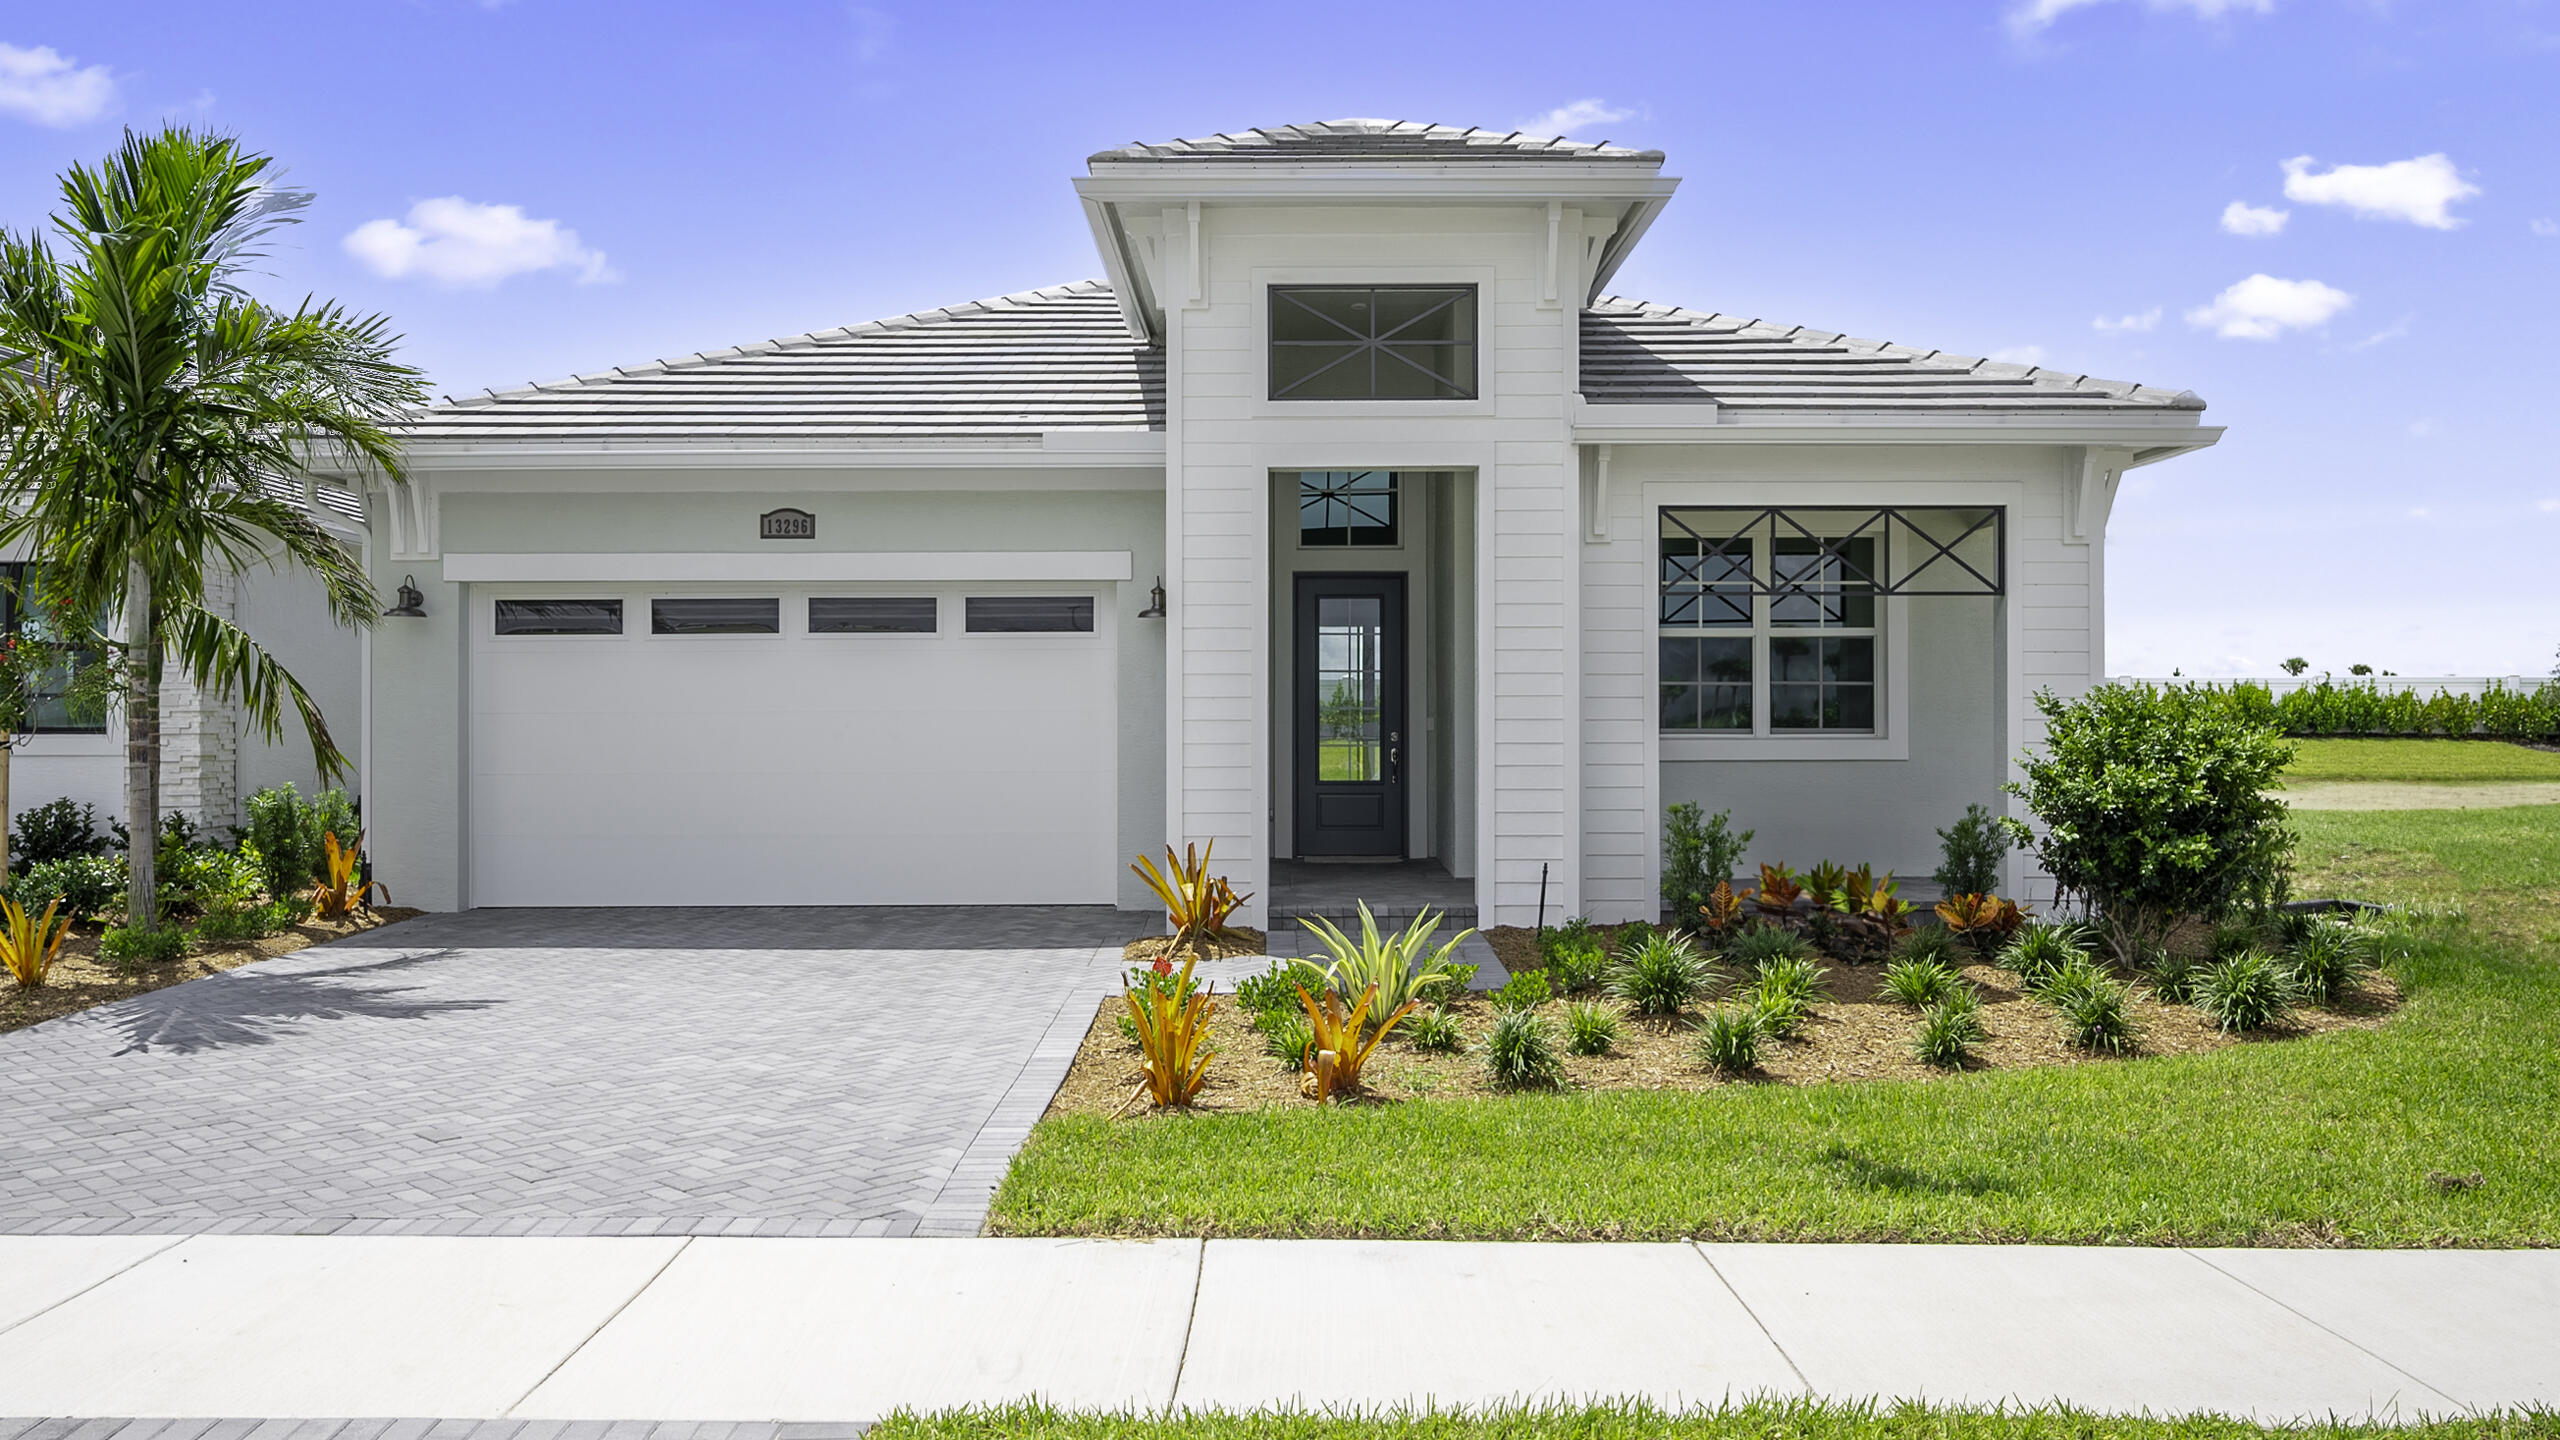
{"x":1580,"y":115}
{"x":2263,"y":307}
{"x":2413,"y":190}
{"x":2241,"y":218}
{"x":2397,"y":329}
{"x":2031,"y":16}
{"x":467,"y":245}
{"x":2124,"y":324}
{"x":2547,"y":229}
{"x":43,"y":85}
{"x":2020,"y":355}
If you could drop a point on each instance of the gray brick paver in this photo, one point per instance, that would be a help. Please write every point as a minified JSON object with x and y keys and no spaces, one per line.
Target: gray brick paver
{"x":443,"y":1076}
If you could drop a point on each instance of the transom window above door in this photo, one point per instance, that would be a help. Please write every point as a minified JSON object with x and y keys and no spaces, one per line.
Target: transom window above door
{"x":1373,"y":342}
{"x":1347,"y":507}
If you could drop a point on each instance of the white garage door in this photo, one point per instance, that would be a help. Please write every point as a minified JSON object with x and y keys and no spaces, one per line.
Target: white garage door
{"x":834,"y":746}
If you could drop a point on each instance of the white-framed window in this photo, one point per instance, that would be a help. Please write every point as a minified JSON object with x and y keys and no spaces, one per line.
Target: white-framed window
{"x":1737,"y":658}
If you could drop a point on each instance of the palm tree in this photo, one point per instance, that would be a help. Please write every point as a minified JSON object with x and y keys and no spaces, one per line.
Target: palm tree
{"x":153,"y":414}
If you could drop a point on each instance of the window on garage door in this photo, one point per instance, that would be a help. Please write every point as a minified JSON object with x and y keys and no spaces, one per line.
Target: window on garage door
{"x":1023,"y":614}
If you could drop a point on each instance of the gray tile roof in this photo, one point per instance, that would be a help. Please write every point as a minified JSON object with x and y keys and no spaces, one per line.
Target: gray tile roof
{"x":1639,"y":353}
{"x":1332,"y":140}
{"x":1000,"y":370}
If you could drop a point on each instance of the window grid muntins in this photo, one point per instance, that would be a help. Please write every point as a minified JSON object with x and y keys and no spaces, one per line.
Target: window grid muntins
{"x":1347,"y":508}
{"x":1373,"y":342}
{"x":1765,"y":635}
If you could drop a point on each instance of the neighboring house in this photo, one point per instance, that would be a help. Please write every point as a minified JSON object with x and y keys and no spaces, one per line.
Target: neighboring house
{"x":210,"y":761}
{"x":1461,"y":557}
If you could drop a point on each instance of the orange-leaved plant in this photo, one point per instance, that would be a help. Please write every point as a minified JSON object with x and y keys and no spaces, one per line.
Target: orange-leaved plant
{"x":1172,"y":1020}
{"x":1338,"y":1051}
{"x":27,"y":947}
{"x":1196,"y":903}
{"x":1982,"y":921}
{"x":340,"y":894}
{"x":1723,"y":910}
{"x":1778,"y":891}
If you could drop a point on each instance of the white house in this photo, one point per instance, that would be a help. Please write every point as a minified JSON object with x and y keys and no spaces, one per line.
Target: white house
{"x":1349,"y":516}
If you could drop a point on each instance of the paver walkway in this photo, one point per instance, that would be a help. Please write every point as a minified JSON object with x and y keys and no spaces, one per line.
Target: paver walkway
{"x":809,"y":1331}
{"x":764,"y":1071}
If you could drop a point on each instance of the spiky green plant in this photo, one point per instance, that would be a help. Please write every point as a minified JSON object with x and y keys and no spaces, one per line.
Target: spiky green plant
{"x":2039,"y":950}
{"x":1520,"y":1052}
{"x":2252,"y":990}
{"x":1730,"y":1039}
{"x":1394,"y":970}
{"x":1590,"y":1027}
{"x":2096,"y":1010}
{"x":1949,"y":1030}
{"x":1762,"y":943}
{"x":1436,"y":1031}
{"x":2328,"y":956}
{"x":1661,"y":975}
{"x":1919,"y":983}
{"x":1931,"y":942}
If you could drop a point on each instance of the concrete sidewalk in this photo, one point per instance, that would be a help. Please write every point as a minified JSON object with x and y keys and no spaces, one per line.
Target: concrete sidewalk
{"x":846,"y":1330}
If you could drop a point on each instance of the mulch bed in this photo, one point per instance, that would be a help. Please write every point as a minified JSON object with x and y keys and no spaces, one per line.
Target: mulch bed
{"x":80,"y":979}
{"x":1225,"y":945}
{"x":1858,"y":1034}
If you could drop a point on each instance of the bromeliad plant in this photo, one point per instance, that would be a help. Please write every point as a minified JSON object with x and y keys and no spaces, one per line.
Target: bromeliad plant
{"x":27,"y":947}
{"x":1196,"y":903}
{"x":341,"y":893}
{"x":1393,"y":970}
{"x":1337,"y":1049}
{"x":1172,"y":1022}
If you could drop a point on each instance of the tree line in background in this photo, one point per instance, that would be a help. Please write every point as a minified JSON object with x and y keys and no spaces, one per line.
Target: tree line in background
{"x":2330,"y":707}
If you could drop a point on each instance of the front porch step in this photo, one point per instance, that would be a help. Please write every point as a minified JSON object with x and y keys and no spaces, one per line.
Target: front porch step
{"x":1394,"y":916}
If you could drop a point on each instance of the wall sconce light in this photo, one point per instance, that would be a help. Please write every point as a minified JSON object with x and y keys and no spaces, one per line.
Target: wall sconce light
{"x":412,"y":605}
{"x":1155,"y":602}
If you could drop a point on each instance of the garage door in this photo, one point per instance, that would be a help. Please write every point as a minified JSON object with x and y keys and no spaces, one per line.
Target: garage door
{"x":837,"y":746}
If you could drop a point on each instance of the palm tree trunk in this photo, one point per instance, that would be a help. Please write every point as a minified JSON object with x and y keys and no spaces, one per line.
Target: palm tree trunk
{"x":141,"y":755}
{"x":5,"y":748}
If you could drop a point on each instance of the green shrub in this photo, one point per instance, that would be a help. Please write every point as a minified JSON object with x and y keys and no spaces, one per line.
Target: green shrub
{"x":61,"y":829}
{"x":1730,"y":1039}
{"x":1633,"y":934}
{"x":2252,"y":990}
{"x":1571,"y":932}
{"x":1780,"y":1016}
{"x":1453,"y":982}
{"x":286,"y":831}
{"x":1970,"y":852}
{"x":1696,"y":853}
{"x":1795,"y":977}
{"x":205,"y":877}
{"x":1520,"y":1052}
{"x":1761,"y":944}
{"x":2154,"y":804}
{"x":2041,"y":950}
{"x":88,"y":886}
{"x":1435,"y":1030}
{"x":1590,"y":1028}
{"x":2328,"y":955}
{"x":1920,"y":983}
{"x":128,"y":946}
{"x":1525,"y":991}
{"x":1660,"y":976}
{"x":1577,"y":967}
{"x":232,"y":923}
{"x":1273,"y":989}
{"x":1949,"y":1030}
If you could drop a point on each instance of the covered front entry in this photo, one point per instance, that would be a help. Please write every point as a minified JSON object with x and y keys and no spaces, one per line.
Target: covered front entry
{"x":1351,"y":725}
{"x":939,"y":745}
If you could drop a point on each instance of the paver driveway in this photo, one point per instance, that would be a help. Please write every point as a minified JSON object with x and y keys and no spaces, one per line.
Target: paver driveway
{"x":766,"y":1071}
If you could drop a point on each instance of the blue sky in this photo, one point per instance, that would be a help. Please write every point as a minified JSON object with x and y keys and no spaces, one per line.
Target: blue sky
{"x":539,"y":187}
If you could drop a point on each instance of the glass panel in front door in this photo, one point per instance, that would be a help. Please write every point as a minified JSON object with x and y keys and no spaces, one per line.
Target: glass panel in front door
{"x":1350,"y":679}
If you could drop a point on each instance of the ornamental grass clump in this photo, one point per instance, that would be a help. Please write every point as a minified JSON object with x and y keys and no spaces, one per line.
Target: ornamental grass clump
{"x":1436,"y":1031}
{"x":1520,"y":1052}
{"x":1661,"y":975}
{"x":1931,"y":942}
{"x":1590,"y":1027}
{"x":1920,"y":982}
{"x":1949,"y":1030}
{"x":1763,"y":943}
{"x":2041,"y":950}
{"x":2252,"y":990}
{"x":2096,"y":1010}
{"x":1729,"y":1041}
{"x":2328,"y":956}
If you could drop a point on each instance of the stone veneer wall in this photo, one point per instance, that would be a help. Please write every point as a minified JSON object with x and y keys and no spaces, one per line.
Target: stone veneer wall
{"x":200,"y":739}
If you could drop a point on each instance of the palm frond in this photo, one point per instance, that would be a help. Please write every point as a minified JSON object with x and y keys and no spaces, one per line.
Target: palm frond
{"x":222,"y":659}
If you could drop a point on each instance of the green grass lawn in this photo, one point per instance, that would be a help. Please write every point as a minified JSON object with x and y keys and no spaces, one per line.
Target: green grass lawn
{"x":2328,"y":1140}
{"x":1762,"y":1420}
{"x":2449,"y":761}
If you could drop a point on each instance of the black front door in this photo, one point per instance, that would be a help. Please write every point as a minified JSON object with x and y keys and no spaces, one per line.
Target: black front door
{"x":1350,"y":701}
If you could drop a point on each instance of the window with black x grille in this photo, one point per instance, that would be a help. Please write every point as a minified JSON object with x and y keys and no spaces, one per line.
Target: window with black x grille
{"x":1373,"y":342}
{"x":1347,"y":507}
